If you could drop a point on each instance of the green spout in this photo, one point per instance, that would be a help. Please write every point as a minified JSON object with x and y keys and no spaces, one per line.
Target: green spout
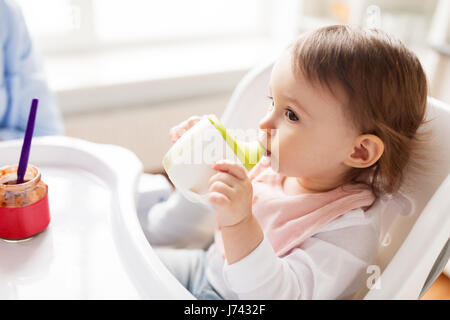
{"x":249,"y":153}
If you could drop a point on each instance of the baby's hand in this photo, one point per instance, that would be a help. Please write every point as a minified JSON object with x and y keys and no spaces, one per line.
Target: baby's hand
{"x":177,"y":131}
{"x":231,"y":192}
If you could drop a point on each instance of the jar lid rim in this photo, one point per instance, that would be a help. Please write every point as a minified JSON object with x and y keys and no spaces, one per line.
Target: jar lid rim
{"x":37,"y":175}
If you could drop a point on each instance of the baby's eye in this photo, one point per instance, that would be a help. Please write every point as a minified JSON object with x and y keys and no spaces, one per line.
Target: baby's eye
{"x":291,"y":115}
{"x":272,"y":103}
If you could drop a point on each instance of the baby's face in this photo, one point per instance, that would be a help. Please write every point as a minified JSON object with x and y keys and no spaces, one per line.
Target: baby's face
{"x":312,"y":136}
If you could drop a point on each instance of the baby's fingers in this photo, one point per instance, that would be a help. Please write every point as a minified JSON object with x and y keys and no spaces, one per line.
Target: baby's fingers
{"x":235,"y":169}
{"x":175,"y":134}
{"x":177,"y":131}
{"x":218,"y":199}
{"x":189,"y":123}
{"x":192,"y":121}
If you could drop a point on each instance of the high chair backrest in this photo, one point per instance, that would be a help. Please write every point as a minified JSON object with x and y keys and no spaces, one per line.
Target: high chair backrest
{"x":414,"y":223}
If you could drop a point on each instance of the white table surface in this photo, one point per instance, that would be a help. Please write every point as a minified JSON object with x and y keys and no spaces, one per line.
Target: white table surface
{"x":75,"y":257}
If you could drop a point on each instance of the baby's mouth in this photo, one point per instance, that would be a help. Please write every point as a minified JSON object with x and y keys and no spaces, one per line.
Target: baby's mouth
{"x":265,"y":143}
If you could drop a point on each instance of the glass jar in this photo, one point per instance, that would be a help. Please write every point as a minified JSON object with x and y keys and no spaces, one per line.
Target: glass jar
{"x":19,"y":195}
{"x":24,"y":209}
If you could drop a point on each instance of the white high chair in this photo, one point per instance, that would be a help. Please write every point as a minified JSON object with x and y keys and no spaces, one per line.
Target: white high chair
{"x":415,"y":225}
{"x":95,"y":247}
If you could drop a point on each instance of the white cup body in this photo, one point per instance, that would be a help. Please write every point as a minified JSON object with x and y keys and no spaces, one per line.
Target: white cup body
{"x":188,"y":163}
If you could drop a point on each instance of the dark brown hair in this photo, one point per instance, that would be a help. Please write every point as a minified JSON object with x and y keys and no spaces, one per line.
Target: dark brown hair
{"x":386,"y":91}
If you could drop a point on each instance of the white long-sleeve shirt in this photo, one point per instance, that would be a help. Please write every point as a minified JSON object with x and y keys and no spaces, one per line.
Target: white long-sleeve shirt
{"x":316,"y":246}
{"x":330,"y":264}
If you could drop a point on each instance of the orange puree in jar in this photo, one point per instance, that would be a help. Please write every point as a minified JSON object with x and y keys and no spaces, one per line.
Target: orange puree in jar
{"x":14,"y":195}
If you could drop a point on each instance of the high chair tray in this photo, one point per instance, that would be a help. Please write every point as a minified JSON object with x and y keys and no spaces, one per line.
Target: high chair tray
{"x":94,"y":246}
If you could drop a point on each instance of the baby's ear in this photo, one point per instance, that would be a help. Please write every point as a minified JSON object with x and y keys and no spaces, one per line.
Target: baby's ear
{"x":367,"y":149}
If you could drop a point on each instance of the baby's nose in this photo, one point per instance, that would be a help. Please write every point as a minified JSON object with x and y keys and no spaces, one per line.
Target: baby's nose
{"x":265,"y":127}
{"x":268,"y":123}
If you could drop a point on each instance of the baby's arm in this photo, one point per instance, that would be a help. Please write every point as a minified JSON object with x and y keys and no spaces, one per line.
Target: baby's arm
{"x":230,"y":191}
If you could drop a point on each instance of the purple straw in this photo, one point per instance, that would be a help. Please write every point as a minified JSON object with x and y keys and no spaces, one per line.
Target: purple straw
{"x":24,"y":155}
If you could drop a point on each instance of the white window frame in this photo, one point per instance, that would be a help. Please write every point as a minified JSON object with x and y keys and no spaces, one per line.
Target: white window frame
{"x":277,"y":23}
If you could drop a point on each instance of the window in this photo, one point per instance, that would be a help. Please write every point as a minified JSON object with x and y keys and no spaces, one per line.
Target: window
{"x":408,"y":20}
{"x":67,"y":25}
{"x":97,"y":44}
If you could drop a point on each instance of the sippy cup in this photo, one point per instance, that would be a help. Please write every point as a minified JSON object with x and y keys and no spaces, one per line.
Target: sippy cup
{"x":24,"y":209}
{"x":188,"y":162}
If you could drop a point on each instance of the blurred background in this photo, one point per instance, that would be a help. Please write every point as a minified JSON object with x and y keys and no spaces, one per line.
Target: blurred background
{"x":125,"y":71}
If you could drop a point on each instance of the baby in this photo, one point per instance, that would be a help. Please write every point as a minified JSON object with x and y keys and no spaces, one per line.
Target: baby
{"x":345,"y":106}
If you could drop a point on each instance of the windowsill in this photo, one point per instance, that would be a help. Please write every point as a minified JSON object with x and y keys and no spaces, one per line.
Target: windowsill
{"x":133,"y":76}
